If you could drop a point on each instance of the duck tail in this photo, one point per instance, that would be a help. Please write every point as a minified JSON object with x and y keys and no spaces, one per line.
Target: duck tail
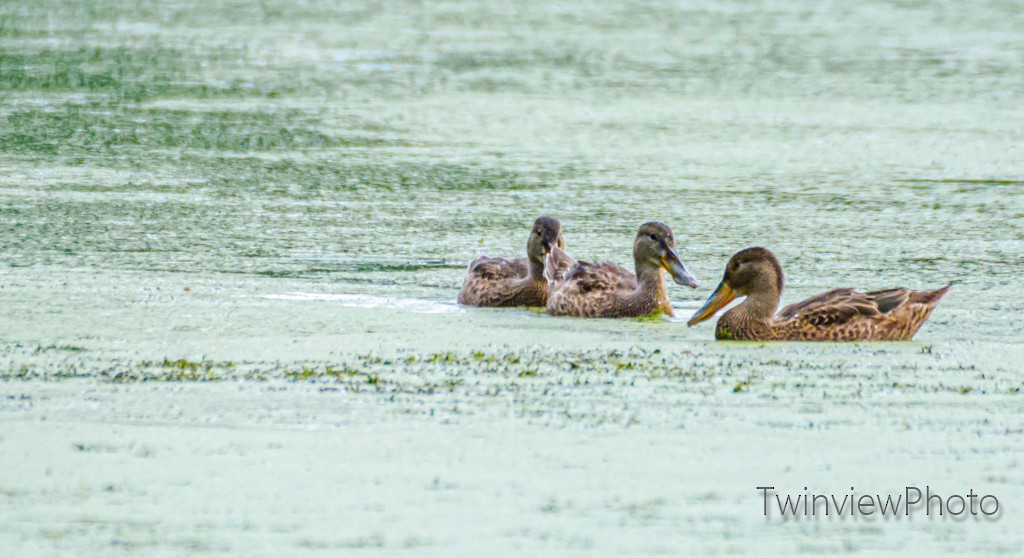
{"x":929,"y":298}
{"x":911,"y":316}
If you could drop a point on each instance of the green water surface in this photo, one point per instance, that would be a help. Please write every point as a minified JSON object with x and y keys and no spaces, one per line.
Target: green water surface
{"x":287,"y":194}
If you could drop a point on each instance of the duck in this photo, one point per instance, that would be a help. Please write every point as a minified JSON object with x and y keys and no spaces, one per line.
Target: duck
{"x":499,"y":282}
{"x":842,"y":314}
{"x":605,"y":290}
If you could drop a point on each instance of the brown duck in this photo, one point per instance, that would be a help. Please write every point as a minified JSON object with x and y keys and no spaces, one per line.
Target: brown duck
{"x":837,"y":315}
{"x":606,"y":290}
{"x":497,"y":282}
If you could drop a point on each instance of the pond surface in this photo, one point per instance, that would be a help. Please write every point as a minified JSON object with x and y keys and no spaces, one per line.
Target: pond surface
{"x":231,"y":236}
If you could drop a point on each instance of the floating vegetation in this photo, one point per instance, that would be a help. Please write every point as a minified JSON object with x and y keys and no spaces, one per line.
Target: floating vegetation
{"x":544,"y":373}
{"x":59,"y":348}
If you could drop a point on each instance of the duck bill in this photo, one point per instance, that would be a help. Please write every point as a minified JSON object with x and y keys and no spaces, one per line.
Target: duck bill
{"x":550,"y":243}
{"x":677,"y":270}
{"x":723,"y":295}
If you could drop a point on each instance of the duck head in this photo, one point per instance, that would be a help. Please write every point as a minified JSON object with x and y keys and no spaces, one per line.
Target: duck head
{"x":547,"y":232}
{"x":754,"y":271}
{"x":655,"y":247}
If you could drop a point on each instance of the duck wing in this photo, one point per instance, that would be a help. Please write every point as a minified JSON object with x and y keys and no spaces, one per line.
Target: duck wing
{"x":889,"y":299}
{"x":495,"y":282}
{"x":840,"y":306}
{"x":586,"y":277}
{"x":496,"y":269}
{"x":521,"y":266}
{"x":592,"y":291}
{"x":557,"y":265}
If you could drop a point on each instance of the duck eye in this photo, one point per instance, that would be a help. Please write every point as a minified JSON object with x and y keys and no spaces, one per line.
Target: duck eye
{"x":653,"y":237}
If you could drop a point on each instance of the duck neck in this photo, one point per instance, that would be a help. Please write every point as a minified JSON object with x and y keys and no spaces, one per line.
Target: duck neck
{"x":536,"y":268}
{"x":760,"y":304}
{"x":651,"y":288}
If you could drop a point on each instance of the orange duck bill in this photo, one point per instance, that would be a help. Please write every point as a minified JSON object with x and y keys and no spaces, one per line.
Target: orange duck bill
{"x":723,"y":295}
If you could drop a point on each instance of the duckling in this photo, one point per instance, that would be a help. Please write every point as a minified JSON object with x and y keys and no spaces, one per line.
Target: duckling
{"x":836,"y":315}
{"x":606,"y":290}
{"x":497,"y":282}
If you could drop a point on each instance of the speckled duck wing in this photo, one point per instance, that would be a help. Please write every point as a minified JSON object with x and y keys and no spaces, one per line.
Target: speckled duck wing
{"x":557,"y":266}
{"x":489,"y":268}
{"x":491,"y":282}
{"x":591,"y":290}
{"x":845,"y":315}
{"x":848,"y":315}
{"x":836,"y":307}
{"x":521,"y":266}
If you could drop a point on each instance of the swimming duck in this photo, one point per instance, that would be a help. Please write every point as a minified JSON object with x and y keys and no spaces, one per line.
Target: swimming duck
{"x":495,"y":282}
{"x":606,"y":290}
{"x":836,"y":315}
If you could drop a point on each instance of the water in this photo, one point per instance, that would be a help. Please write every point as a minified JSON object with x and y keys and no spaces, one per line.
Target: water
{"x":272,"y":207}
